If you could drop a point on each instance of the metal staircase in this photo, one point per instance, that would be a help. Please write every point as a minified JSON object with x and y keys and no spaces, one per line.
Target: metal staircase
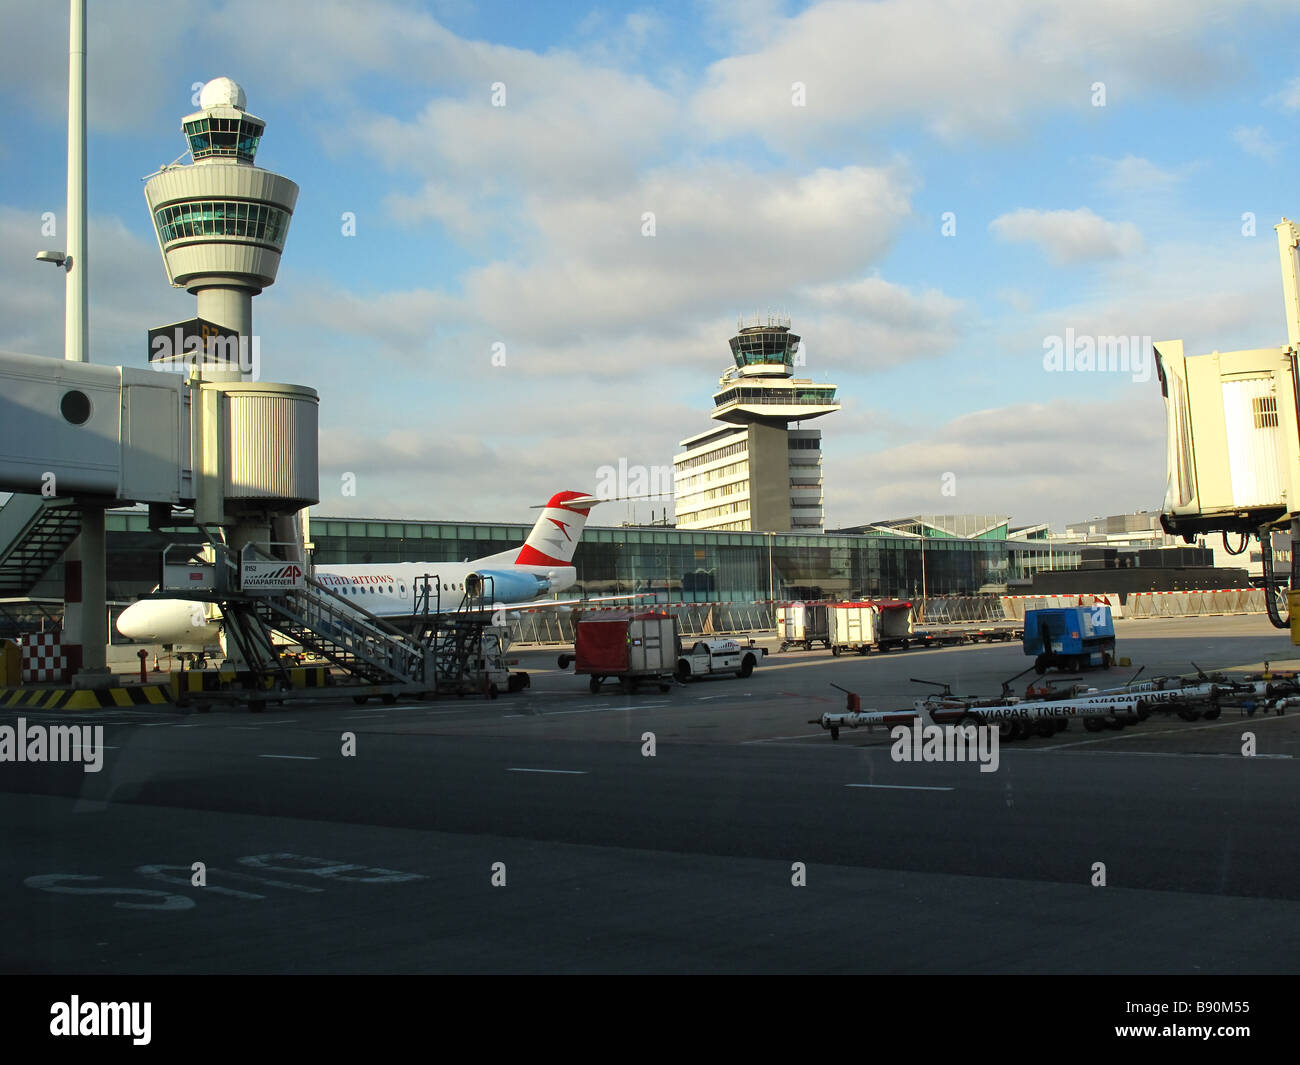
{"x":355,"y":640}
{"x":34,"y":533}
{"x":443,"y":652}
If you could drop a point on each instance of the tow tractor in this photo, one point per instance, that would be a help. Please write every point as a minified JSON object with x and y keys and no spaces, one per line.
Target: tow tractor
{"x":716,"y":657}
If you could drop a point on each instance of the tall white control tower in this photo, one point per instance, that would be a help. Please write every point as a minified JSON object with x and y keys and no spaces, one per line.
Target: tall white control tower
{"x":221,"y":224}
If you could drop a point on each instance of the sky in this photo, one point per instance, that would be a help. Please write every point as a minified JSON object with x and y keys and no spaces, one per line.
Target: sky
{"x":525,"y":233}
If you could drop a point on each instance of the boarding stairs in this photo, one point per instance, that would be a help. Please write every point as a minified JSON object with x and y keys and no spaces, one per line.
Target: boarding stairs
{"x":34,"y":534}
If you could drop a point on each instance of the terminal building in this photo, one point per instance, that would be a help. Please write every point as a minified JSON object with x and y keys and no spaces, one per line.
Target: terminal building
{"x":754,"y":473}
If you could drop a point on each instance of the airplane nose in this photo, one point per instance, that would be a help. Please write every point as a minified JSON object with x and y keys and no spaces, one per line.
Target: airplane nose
{"x":131,"y":621}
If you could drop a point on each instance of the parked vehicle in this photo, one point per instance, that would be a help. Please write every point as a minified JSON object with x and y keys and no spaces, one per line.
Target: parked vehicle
{"x":717,"y":657}
{"x":1070,"y":638}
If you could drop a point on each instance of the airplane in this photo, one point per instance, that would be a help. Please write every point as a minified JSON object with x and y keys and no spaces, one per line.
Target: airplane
{"x":515,"y":579}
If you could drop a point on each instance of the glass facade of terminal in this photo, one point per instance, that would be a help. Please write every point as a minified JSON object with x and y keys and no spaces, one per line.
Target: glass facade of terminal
{"x":697,"y":567}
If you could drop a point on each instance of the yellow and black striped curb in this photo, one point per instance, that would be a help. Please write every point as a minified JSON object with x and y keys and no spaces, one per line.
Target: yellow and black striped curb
{"x":84,"y":698}
{"x":201,"y":680}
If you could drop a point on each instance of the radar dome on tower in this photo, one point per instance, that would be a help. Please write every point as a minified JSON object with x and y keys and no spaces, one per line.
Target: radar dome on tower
{"x":222,"y":92}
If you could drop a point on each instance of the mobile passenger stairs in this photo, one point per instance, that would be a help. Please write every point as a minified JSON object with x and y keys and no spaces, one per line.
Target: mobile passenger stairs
{"x":261,"y":596}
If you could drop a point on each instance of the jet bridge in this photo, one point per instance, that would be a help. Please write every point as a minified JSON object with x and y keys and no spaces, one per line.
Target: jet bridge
{"x":1233,"y":439}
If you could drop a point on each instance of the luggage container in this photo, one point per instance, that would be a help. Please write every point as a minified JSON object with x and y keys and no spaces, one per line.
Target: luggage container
{"x":802,"y":625}
{"x":632,"y":648}
{"x":862,"y":626}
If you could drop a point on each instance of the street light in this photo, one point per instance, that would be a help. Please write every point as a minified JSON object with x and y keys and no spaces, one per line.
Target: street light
{"x":58,"y":258}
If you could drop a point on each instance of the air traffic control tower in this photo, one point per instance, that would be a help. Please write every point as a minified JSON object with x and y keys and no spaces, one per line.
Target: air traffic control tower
{"x":221,"y":224}
{"x":756,"y":473}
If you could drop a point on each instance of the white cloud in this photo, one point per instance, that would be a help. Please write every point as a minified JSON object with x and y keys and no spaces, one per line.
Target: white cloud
{"x":1023,"y":460}
{"x":957,"y":69}
{"x":1134,"y":174}
{"x":1068,"y":237}
{"x":1256,"y":141}
{"x":1288,"y":98}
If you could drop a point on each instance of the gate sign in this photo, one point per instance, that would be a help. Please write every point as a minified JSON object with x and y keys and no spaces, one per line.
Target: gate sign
{"x":198,"y":339}
{"x":260,"y":576}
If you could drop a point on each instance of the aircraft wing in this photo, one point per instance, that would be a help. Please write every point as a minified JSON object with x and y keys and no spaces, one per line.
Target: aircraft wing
{"x":548,"y":604}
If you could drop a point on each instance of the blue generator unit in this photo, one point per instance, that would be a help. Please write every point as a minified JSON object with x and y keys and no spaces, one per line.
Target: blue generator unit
{"x":1070,"y":638}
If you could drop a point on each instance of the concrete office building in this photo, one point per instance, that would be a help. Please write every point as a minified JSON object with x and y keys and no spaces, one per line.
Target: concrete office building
{"x":754,"y":473}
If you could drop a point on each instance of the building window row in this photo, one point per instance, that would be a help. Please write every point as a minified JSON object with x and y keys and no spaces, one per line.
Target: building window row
{"x":713,"y":456}
{"x":732,"y":469}
{"x":217,"y":218}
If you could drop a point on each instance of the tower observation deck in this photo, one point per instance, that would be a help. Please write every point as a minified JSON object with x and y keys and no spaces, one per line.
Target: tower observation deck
{"x":221,"y":221}
{"x":755,"y":472}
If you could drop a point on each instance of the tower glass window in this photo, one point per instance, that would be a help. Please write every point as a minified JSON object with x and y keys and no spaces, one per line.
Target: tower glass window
{"x":211,"y":137}
{"x":222,"y":218}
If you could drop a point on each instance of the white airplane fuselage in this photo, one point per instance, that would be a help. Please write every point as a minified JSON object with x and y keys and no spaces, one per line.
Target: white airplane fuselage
{"x":509,"y":580}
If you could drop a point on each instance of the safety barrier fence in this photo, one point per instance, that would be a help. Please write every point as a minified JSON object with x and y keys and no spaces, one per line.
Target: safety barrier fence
{"x":703,"y":619}
{"x":693,"y":619}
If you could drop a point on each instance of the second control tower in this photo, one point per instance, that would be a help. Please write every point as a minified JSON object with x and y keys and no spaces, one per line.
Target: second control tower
{"x":221,"y":224}
{"x":756,"y":473}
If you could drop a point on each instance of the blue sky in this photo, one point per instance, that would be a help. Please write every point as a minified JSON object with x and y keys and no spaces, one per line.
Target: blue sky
{"x":521,"y":225}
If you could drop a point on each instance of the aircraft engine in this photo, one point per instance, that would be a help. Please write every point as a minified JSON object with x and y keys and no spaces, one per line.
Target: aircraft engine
{"x":506,"y":586}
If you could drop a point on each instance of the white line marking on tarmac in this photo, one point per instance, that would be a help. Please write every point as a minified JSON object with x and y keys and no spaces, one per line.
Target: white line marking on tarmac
{"x":1170,"y":754}
{"x":565,"y":772}
{"x":1237,"y":723}
{"x":899,"y":787}
{"x":155,"y":724}
{"x":557,"y":713}
{"x":773,"y":739}
{"x":294,"y":757}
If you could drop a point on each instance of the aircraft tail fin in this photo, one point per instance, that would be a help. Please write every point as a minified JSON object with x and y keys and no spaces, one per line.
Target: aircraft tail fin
{"x":555,"y":537}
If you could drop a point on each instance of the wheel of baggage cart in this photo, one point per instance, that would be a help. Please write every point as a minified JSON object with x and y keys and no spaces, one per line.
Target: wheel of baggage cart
{"x":1105,"y":660}
{"x":360,"y":700}
{"x":835,"y":651}
{"x":807,"y":645}
{"x":564,"y":661}
{"x":664,"y":687}
{"x":1188,"y":714}
{"x":1212,"y":713}
{"x":863,"y":649}
{"x":1046,"y":728}
{"x":389,"y":699}
{"x":1040,"y":665}
{"x":683,"y":672}
{"x":1008,"y":731}
{"x":969,"y":719}
{"x":593,"y":685}
{"x":1093,"y":724}
{"x":906,"y":644}
{"x":493,"y":691}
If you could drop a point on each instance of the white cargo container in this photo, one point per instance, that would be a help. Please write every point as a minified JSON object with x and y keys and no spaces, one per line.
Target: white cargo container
{"x":802,"y":625}
{"x":862,"y":626}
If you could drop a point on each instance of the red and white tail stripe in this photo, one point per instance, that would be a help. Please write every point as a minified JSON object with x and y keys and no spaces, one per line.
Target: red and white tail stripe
{"x":554,"y":538}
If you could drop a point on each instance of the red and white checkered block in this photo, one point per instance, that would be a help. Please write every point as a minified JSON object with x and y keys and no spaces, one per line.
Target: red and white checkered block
{"x":43,"y":660}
